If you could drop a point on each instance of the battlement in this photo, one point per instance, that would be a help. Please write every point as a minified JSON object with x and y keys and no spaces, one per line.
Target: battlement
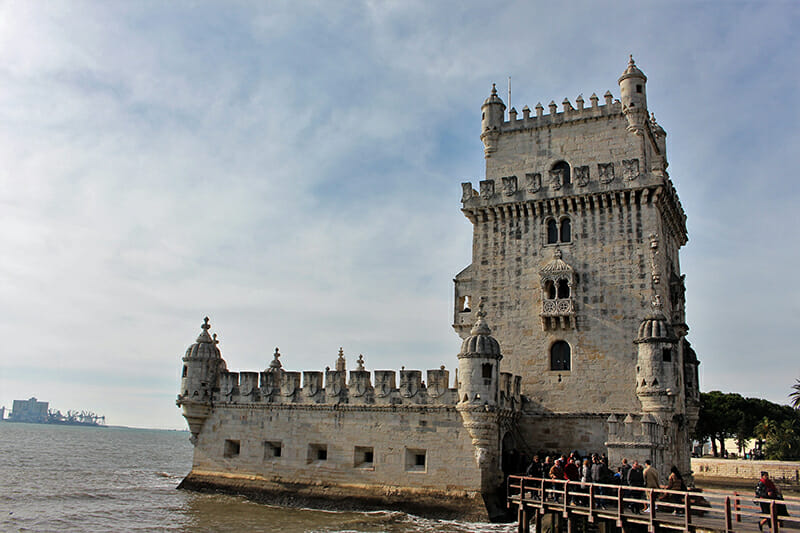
{"x":380,"y":387}
{"x":568,"y":113}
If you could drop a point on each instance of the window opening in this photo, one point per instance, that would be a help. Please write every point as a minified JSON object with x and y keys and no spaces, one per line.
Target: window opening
{"x":232,"y":448}
{"x":550,"y":290}
{"x":317,"y":452}
{"x":566,"y":230}
{"x":560,"y":356}
{"x":666,"y":355}
{"x":563,"y":288}
{"x":566,"y":179}
{"x":552,"y":232}
{"x":272,"y":449}
{"x":416,"y":460}
{"x":487,"y":370}
{"x":185,"y":371}
{"x":364,"y":456}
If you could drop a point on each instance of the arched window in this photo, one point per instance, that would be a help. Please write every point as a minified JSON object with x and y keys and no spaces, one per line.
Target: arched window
{"x":560,"y":356}
{"x":566,"y":230}
{"x":552,"y":231}
{"x":566,"y":180}
{"x":559,"y":231}
{"x":563,"y":288}
{"x":550,"y":290}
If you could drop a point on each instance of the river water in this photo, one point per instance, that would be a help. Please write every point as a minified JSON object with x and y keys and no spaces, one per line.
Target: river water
{"x":72,"y":478}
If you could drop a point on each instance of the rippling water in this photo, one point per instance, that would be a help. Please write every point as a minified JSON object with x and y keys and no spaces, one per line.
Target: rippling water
{"x":70,"y":478}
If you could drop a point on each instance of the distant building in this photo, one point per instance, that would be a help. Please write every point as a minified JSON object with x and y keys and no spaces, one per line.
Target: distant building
{"x":575,"y":264}
{"x":30,"y":410}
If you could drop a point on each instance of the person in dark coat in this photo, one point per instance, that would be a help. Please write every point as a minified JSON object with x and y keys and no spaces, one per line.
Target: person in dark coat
{"x":636,"y":479}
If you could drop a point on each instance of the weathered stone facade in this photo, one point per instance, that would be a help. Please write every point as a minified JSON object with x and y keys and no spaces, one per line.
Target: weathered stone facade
{"x":577,"y":229}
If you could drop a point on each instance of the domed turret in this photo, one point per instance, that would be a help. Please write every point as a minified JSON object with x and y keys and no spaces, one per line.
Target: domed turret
{"x":657,"y":372}
{"x":633,"y":95}
{"x":202,"y":365}
{"x":492,"y":117}
{"x":478,"y":364}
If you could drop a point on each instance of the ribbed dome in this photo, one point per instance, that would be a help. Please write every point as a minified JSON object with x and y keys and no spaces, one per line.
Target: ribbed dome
{"x":557,"y":265}
{"x":480,"y":342}
{"x":655,"y":327}
{"x":632,"y":71}
{"x":493,"y":98}
{"x":205,"y":347}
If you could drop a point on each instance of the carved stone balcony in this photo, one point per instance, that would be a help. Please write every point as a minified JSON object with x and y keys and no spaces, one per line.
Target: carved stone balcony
{"x":558,"y":313}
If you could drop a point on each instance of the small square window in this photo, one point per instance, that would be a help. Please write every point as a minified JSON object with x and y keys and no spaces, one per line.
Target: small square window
{"x":232,"y":448}
{"x":317,"y":452}
{"x":272,"y":449}
{"x":416,"y":460}
{"x":364,"y":457}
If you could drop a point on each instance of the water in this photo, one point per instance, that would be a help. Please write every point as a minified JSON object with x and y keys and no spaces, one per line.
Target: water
{"x":70,"y":478}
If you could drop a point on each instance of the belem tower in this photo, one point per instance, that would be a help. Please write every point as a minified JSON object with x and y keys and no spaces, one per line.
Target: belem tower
{"x":573,"y":327}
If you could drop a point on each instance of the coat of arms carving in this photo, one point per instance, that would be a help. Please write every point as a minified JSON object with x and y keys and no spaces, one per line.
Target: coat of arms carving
{"x":606,"y":172}
{"x":467,"y":192}
{"x":509,"y":185}
{"x":533,"y":182}
{"x":487,"y":189}
{"x":630,"y":169}
{"x":556,"y":178}
{"x":582,"y":175}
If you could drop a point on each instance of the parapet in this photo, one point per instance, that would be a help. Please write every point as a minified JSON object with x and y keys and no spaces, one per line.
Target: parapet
{"x":568,"y":113}
{"x":333,"y":387}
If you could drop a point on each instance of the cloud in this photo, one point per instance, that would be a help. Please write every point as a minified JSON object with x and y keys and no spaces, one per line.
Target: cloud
{"x":293,"y":171}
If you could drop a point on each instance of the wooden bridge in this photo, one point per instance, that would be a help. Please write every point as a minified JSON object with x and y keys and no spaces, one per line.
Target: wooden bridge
{"x":572,"y":506}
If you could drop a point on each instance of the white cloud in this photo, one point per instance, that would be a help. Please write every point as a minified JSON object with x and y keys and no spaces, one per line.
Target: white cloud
{"x":293,"y":171}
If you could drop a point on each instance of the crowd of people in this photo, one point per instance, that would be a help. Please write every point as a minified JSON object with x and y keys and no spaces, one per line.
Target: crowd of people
{"x":594,"y":468}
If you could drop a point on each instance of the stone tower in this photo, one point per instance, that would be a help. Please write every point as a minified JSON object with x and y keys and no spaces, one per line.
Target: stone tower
{"x":576,"y":230}
{"x":202,"y":366}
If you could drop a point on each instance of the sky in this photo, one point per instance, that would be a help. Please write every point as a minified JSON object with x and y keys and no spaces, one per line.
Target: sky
{"x":292,"y":170}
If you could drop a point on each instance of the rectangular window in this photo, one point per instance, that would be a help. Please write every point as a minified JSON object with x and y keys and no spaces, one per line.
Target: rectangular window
{"x":272,"y":449}
{"x":666,"y":355}
{"x":231,"y":448}
{"x":416,"y":460}
{"x":317,"y":452}
{"x":364,"y":457}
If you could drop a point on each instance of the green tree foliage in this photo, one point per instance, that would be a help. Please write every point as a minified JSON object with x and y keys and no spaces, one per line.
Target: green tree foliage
{"x":782,"y":438}
{"x":795,"y":394}
{"x":726,"y":415}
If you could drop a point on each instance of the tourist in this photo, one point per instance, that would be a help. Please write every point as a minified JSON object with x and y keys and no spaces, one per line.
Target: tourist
{"x":556,"y":472}
{"x":624,"y":469}
{"x":766,"y":489}
{"x":675,"y":482}
{"x":636,"y":479}
{"x":651,"y":480}
{"x":535,"y":468}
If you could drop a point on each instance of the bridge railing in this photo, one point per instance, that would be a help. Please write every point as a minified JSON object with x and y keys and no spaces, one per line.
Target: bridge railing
{"x":687,"y":510}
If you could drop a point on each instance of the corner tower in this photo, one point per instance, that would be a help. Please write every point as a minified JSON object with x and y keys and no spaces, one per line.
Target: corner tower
{"x":576,"y":228}
{"x":202,"y":366}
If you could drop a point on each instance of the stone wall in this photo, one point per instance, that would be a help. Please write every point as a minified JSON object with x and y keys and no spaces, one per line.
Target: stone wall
{"x":379,"y":452}
{"x":742,"y":469}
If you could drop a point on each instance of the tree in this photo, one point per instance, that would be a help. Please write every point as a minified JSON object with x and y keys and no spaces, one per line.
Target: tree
{"x":795,"y":394}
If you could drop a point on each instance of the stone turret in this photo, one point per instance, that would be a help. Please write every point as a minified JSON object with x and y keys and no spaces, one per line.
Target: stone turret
{"x":202,"y":366}
{"x":492,"y":117}
{"x":633,"y":95}
{"x":478,"y":365}
{"x":657,"y":365}
{"x":477,"y":391}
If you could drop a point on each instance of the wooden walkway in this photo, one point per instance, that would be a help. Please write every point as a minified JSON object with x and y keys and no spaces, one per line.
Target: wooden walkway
{"x":654,"y":510}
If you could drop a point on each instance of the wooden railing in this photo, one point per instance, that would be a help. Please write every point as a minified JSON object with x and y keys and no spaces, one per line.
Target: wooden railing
{"x":659,"y":509}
